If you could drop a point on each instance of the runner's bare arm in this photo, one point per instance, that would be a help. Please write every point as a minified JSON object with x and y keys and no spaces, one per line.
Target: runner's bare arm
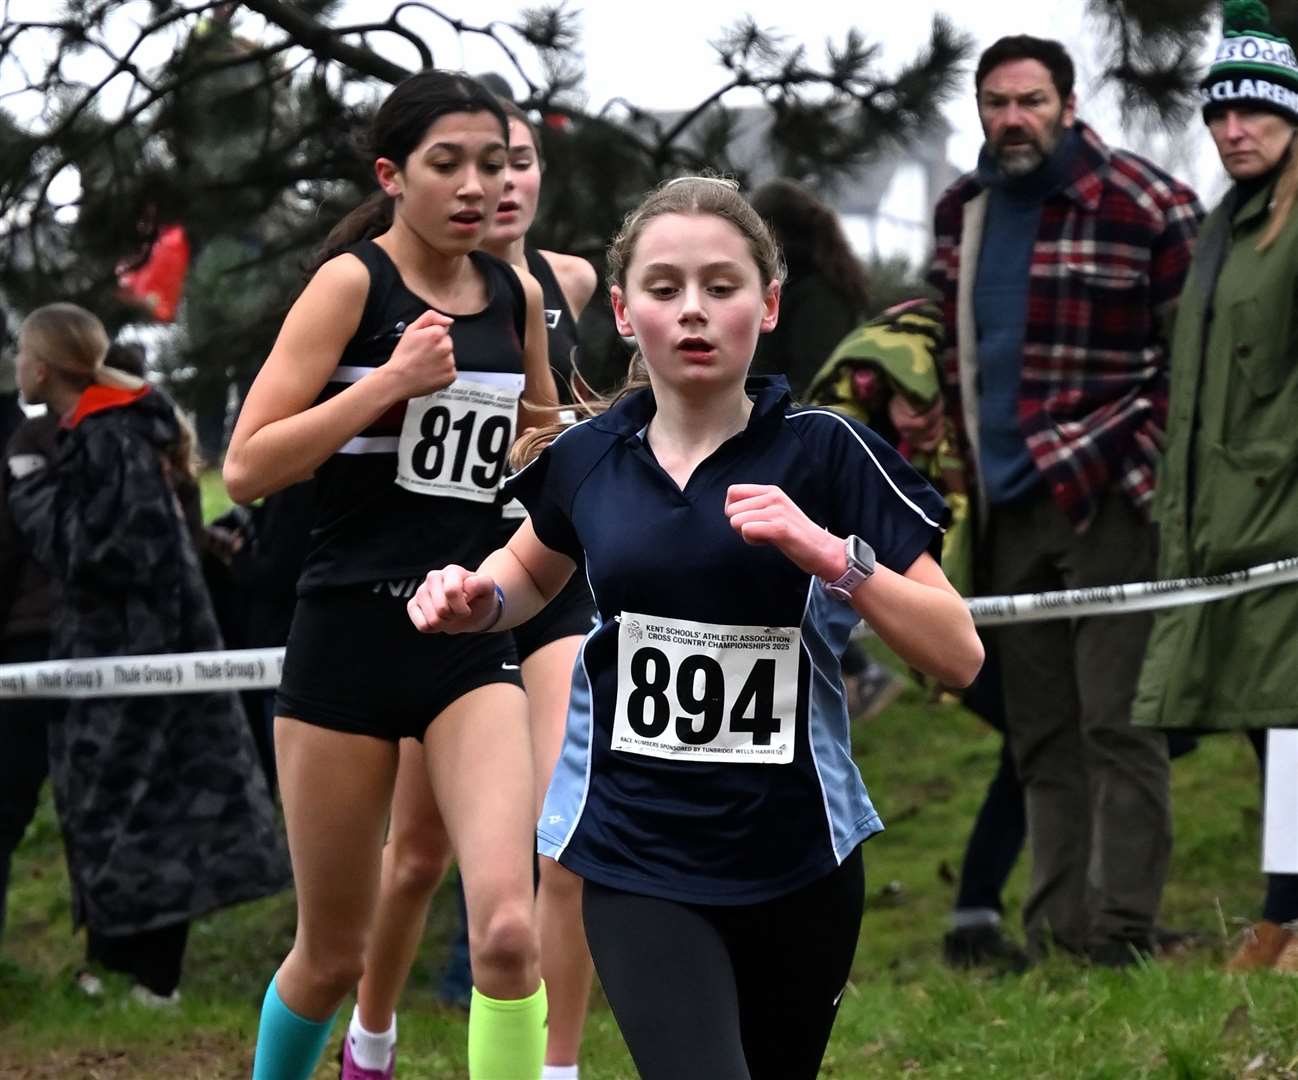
{"x":540,"y":396}
{"x":921,"y":618}
{"x":577,"y":281}
{"x":454,"y":600}
{"x":280,"y":437}
{"x":576,"y":278}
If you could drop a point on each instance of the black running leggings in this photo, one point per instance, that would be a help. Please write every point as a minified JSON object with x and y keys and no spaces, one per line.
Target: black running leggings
{"x":706,"y":992}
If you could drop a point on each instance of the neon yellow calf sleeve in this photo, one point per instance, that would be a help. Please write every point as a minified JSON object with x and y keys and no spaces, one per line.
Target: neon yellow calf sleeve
{"x":507,"y":1038}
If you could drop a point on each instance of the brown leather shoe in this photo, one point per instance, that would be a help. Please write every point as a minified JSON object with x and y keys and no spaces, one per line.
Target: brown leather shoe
{"x":1287,"y":961}
{"x":1262,"y":945}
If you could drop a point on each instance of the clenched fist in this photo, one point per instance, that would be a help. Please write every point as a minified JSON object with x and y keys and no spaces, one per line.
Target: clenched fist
{"x":424,"y":359}
{"x":764,"y":514}
{"x":453,"y":600}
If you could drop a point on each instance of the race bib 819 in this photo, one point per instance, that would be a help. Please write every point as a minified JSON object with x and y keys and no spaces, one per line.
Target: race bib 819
{"x":706,"y":692}
{"x":455,"y":442}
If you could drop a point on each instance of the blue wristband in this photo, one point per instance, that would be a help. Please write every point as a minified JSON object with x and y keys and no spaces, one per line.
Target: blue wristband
{"x":500,"y":610}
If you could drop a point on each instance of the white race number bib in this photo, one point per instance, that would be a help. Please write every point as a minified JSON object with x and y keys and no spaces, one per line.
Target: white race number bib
{"x":455,"y":442}
{"x":705,"y":692}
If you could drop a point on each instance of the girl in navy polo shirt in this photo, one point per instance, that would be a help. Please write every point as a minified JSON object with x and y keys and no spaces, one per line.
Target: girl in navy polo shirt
{"x":705,"y":791}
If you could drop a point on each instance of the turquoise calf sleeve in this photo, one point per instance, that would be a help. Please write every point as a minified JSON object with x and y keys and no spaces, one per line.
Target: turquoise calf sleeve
{"x":288,"y":1045}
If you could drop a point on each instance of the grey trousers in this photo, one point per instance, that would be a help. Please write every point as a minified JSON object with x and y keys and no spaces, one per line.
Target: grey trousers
{"x":1095,"y":786}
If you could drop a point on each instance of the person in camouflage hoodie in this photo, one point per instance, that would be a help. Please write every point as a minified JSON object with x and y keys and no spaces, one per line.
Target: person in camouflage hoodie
{"x":165,"y":814}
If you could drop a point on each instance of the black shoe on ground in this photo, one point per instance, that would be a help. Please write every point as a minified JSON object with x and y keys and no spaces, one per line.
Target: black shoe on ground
{"x":1121,"y":952}
{"x":1125,"y":952}
{"x":1169,"y":942}
{"x":983,"y":946}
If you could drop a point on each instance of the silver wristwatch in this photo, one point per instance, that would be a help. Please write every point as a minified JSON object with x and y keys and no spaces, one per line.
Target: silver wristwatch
{"x":860,"y":565}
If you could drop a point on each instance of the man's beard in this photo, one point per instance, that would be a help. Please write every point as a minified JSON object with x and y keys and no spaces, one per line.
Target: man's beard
{"x":1030,"y":153}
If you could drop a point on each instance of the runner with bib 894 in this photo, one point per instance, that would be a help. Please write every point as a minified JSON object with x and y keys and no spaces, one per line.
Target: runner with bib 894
{"x":705,"y":791}
{"x":397,"y":380}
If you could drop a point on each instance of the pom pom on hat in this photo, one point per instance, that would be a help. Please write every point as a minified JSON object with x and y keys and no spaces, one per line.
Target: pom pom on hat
{"x":1255,"y":68}
{"x":1243,"y":16}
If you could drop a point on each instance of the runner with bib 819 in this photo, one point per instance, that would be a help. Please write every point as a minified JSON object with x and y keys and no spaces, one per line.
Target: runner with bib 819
{"x":397,"y":380}
{"x":706,"y":791}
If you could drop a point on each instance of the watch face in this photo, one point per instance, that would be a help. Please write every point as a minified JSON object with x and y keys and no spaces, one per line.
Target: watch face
{"x":860,"y":554}
{"x":860,"y":565}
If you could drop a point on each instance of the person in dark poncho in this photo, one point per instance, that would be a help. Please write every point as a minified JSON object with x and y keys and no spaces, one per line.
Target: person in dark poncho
{"x":165,"y":815}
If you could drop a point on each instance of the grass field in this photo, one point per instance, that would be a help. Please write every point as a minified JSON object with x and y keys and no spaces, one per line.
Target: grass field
{"x":904,"y":1014}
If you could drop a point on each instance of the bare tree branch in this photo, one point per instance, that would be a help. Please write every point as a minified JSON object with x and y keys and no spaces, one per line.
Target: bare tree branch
{"x":324,"y":41}
{"x":244,"y":141}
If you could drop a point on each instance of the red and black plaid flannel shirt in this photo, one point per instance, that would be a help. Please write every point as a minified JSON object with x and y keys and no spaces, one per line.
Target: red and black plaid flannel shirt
{"x":1111,"y":254}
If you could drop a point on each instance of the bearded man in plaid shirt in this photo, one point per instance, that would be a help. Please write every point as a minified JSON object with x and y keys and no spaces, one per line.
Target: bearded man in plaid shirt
{"x":1059,"y":261}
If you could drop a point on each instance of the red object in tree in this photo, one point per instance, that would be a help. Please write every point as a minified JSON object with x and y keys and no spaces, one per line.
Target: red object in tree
{"x":157,"y":283}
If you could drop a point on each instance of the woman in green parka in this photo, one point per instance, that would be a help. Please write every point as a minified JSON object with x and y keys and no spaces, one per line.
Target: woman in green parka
{"x":1227,"y":495}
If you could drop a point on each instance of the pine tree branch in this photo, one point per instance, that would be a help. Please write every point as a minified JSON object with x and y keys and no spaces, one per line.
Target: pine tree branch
{"x":123,"y":63}
{"x":392,"y":26}
{"x":323,"y":40}
{"x":129,"y":116}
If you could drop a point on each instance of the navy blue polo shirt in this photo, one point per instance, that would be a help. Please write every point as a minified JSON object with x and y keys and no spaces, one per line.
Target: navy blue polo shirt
{"x":707,"y":756}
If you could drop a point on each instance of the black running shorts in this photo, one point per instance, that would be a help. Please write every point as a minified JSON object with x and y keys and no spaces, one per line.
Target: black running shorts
{"x":355,"y":663}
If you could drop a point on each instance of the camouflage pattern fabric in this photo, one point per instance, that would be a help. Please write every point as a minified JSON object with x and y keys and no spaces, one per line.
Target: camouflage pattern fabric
{"x":903,"y":342}
{"x":897,"y":353}
{"x":165,"y":812}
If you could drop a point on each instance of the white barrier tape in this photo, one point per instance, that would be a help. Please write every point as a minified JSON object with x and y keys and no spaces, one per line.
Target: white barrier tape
{"x":128,"y":676}
{"x":1135,"y":596}
{"x":260,"y":669}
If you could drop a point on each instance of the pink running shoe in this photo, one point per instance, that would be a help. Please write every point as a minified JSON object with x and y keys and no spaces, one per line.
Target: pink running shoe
{"x":351,"y":1071}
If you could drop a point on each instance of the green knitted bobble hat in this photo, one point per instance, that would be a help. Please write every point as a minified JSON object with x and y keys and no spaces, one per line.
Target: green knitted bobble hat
{"x":1255,"y":67}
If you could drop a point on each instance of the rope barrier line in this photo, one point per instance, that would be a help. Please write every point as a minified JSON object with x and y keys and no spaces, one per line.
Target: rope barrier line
{"x":256,"y":669}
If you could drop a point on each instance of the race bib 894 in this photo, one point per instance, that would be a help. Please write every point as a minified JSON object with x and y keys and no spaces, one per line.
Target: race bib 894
{"x":455,"y":442}
{"x":706,"y":692}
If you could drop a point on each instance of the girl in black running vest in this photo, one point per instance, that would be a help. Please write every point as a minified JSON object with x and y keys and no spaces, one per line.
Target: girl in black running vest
{"x":417,"y":855}
{"x":397,"y":380}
